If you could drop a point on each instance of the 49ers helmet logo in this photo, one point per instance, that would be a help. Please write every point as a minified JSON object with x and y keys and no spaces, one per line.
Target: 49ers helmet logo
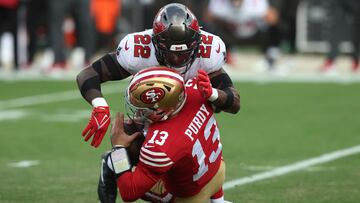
{"x":152,"y":95}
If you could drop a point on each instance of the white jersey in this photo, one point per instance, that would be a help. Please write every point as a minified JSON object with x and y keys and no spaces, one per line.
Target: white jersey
{"x":136,"y":52}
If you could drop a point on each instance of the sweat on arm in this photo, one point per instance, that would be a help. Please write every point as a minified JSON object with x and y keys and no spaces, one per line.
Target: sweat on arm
{"x":228,"y":99}
{"x":104,"y":69}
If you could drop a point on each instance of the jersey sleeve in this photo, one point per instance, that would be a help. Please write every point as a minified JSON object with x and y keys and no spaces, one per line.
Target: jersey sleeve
{"x":153,"y":163}
{"x":133,"y":185}
{"x":155,"y":159}
{"x":123,"y":54}
{"x":217,"y":54}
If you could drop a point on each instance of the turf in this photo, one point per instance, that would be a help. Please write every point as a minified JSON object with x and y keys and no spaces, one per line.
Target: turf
{"x":279,"y":124}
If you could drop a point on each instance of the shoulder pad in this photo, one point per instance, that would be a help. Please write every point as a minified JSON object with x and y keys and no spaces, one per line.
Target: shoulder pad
{"x":136,"y":51}
{"x":212,"y":52}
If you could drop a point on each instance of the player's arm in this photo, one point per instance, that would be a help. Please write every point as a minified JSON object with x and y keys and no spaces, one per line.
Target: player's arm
{"x":213,"y":81}
{"x":220,"y":91}
{"x":131,"y":184}
{"x":89,"y":82}
{"x":228,"y":97}
{"x":102,"y":70}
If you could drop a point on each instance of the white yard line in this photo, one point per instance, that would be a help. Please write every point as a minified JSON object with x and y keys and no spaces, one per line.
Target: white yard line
{"x":24,"y":163}
{"x":56,"y":97}
{"x":283,"y":170}
{"x":268,"y":168}
{"x":13,"y":114}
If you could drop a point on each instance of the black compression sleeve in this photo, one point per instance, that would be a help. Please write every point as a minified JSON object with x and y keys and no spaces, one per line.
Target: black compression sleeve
{"x":108,"y":68}
{"x":113,"y":67}
{"x":91,"y":83}
{"x":224,"y":83}
{"x":97,"y":67}
{"x":221,"y":81}
{"x":229,"y":99}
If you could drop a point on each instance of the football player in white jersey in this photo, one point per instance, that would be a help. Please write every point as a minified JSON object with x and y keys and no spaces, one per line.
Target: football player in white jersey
{"x":175,"y":41}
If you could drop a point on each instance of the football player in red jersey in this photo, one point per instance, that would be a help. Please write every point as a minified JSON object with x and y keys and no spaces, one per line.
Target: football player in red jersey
{"x":175,"y":41}
{"x":181,"y":157}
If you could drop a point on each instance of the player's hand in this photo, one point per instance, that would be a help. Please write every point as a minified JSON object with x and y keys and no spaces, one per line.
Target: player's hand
{"x":98,"y":125}
{"x":205,"y":87}
{"x":118,"y":135}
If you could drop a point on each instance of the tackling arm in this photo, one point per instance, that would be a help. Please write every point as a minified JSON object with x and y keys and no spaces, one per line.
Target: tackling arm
{"x":104,"y":69}
{"x":228,"y":98}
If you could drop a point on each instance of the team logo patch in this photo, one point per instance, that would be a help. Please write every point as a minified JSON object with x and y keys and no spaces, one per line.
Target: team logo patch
{"x":152,"y":95}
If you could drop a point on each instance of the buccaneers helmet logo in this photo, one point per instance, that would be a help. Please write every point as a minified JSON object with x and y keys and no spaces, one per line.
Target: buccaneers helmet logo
{"x":152,"y":95}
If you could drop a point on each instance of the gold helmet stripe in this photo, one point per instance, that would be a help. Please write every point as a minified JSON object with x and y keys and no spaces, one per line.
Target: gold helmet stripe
{"x":156,"y":72}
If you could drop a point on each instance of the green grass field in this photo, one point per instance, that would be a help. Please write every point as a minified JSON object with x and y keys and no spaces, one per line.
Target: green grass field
{"x":279,"y":124}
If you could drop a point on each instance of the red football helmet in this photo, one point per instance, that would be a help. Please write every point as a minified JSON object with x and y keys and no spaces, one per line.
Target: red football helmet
{"x":155,"y":94}
{"x":176,"y":36}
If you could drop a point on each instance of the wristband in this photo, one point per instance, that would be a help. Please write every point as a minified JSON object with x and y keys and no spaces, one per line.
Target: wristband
{"x":119,"y":160}
{"x":99,"y":101}
{"x":214,"y":95}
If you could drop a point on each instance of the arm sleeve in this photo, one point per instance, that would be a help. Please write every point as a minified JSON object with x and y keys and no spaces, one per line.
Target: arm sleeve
{"x":229,"y":97}
{"x":104,"y":69}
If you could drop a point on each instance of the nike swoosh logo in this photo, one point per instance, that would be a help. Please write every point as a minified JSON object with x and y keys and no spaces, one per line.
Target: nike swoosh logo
{"x":218,"y":49}
{"x":126,"y":46}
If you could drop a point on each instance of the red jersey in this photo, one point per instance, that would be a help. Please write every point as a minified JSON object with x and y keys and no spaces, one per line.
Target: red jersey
{"x":185,"y":151}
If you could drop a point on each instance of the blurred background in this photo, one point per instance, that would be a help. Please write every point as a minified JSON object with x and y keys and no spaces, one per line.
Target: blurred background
{"x":294,"y":62}
{"x":294,"y":38}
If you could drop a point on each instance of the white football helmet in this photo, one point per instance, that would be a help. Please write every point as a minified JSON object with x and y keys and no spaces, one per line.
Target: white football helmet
{"x":155,"y":94}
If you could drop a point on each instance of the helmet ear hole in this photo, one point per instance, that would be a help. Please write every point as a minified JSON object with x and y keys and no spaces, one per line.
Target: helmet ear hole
{"x":167,"y":88}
